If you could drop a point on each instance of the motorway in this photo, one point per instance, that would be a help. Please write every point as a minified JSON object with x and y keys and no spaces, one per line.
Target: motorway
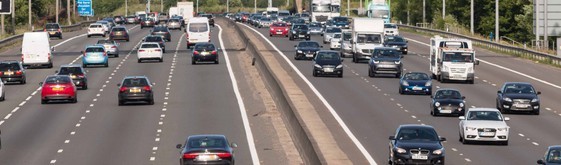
{"x":189,"y":99}
{"x":372,"y":108}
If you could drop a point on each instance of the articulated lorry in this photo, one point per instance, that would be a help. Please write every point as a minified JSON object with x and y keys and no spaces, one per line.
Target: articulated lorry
{"x":367,"y":33}
{"x":452,"y":59}
{"x":322,"y":10}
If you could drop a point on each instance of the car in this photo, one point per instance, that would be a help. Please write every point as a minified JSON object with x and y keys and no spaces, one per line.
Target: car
{"x":96,"y":29}
{"x":119,"y":33}
{"x":303,"y":16}
{"x":415,"y":83}
{"x":2,"y":91}
{"x":484,"y":124}
{"x":95,"y":55}
{"x":265,"y":22}
{"x":552,"y":156}
{"x":297,"y":21}
{"x":315,"y":28}
{"x":416,"y":144}
{"x":131,"y":20}
{"x":299,"y":31}
{"x":110,"y":21}
{"x":158,"y":39}
{"x":391,"y":29}
{"x":54,"y":30}
{"x":207,"y":149}
{"x":448,"y":101}
{"x":136,"y":88}
{"x":279,"y":29}
{"x":255,"y":20}
{"x":274,"y":18}
{"x":328,"y":62}
{"x":288,"y":20}
{"x":59,"y":88}
{"x":385,"y":60}
{"x":181,"y":20}
{"x":204,"y":51}
{"x":329,"y":33}
{"x":106,"y":26}
{"x":174,"y":23}
{"x":335,"y":41}
{"x":111,"y":47}
{"x":346,"y":49}
{"x":518,"y":97}
{"x":161,"y":31}
{"x":12,"y":71}
{"x":150,"y":51}
{"x":210,"y":18}
{"x":147,"y":22}
{"x":76,"y":73}
{"x":306,"y":50}
{"x":119,"y":19}
{"x":341,"y":22}
{"x":163,"y":17}
{"x":396,"y":42}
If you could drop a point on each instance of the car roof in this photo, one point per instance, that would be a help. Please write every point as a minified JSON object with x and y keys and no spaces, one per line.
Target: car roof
{"x":70,"y":65}
{"x":95,"y":46}
{"x":415,"y":126}
{"x":331,"y":51}
{"x":483,"y":109}
{"x":554,"y":147}
{"x":385,"y":48}
{"x":130,"y":77}
{"x":415,"y":72}
{"x":447,"y":89}
{"x":526,"y":83}
{"x":207,"y":135}
{"x":204,"y":43}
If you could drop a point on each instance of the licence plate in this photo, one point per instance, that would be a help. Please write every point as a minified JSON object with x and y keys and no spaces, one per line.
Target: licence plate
{"x":309,"y":55}
{"x":445,"y":111}
{"x":204,"y":53}
{"x":456,"y":76}
{"x":8,"y":73}
{"x":521,"y":105}
{"x":417,"y":88}
{"x":134,"y":90}
{"x":328,"y":69}
{"x":301,"y":36}
{"x":486,"y":134}
{"x":421,"y":157}
{"x":57,"y":88}
{"x":51,"y":32}
{"x":279,"y":32}
{"x":207,"y":157}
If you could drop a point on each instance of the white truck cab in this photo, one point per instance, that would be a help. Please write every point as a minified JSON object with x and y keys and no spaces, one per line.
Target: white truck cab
{"x":452,"y":59}
{"x":367,"y":33}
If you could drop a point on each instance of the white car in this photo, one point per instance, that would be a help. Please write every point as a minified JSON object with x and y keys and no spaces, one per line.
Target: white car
{"x":335,"y":41}
{"x":328,"y":33}
{"x":391,"y":29}
{"x":96,"y":29}
{"x":150,"y":51}
{"x":484,"y":124}
{"x":2,"y":91}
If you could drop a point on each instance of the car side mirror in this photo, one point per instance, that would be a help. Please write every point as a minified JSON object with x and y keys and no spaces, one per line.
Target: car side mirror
{"x":507,"y":118}
{"x":462,"y":117}
{"x":392,"y":137}
{"x":178,"y":146}
{"x":56,"y":71}
{"x":499,"y":92}
{"x":401,"y":56}
{"x":153,"y":84}
{"x":442,"y":139}
{"x":476,"y":62}
{"x":541,"y":161}
{"x":119,"y":84}
{"x":52,"y":49}
{"x":41,"y":84}
{"x":234,"y":145}
{"x":82,"y":52}
{"x":463,"y":97}
{"x":342,"y":60}
{"x":539,"y":92}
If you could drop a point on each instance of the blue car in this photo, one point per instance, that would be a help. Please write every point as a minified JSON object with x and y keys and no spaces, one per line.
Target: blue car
{"x":415,"y":83}
{"x":95,"y":55}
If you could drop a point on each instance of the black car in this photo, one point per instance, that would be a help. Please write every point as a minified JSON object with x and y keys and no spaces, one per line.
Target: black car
{"x":552,"y":156}
{"x":385,"y":60}
{"x":416,"y":144}
{"x":448,"y":102}
{"x":328,"y":62}
{"x":119,"y":33}
{"x":135,"y":88}
{"x":77,"y":73}
{"x":207,"y":149}
{"x":54,"y":30}
{"x":396,"y":42}
{"x":204,"y":51}
{"x":210,"y":19}
{"x":519,"y":97}
{"x":299,"y":31}
{"x":162,"y":31}
{"x":341,"y":22}
{"x":158,"y":39}
{"x":12,"y":71}
{"x":306,"y":50}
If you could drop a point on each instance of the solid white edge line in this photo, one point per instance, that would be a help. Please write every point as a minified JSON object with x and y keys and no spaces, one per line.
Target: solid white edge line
{"x":323,"y":100}
{"x":502,"y":67}
{"x":241,"y":105}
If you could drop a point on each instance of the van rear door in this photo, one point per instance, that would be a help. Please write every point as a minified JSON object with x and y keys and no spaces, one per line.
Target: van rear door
{"x":198,"y":32}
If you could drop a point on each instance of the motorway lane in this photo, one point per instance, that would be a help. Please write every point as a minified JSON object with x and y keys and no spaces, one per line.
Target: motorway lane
{"x":348,"y":88}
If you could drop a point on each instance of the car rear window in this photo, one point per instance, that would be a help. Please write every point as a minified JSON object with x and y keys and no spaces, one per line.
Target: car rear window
{"x":94,"y":50}
{"x":160,"y":29}
{"x":203,"y":47}
{"x":135,"y":82}
{"x":207,"y":142}
{"x":104,"y":42}
{"x":95,"y":26}
{"x":149,"y":46}
{"x":153,"y":39}
{"x":173,"y":20}
{"x":58,"y":80}
{"x":70,"y":70}
{"x":198,"y":27}
{"x":119,"y":29}
{"x":9,"y":66}
{"x":52,"y":26}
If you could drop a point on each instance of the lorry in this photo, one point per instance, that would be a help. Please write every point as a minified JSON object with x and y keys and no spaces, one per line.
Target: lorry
{"x":185,"y":10}
{"x":379,"y":9}
{"x":452,"y":59}
{"x":271,"y":11}
{"x":173,"y":11}
{"x":366,"y":34}
{"x":323,"y":10}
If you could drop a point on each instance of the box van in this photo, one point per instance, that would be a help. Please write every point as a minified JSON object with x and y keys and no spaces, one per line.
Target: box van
{"x":36,"y":49}
{"x":198,"y":30}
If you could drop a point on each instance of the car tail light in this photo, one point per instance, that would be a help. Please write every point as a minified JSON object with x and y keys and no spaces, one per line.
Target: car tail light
{"x":195,"y":52}
{"x":190,"y":155}
{"x":141,"y":50}
{"x":158,"y":50}
{"x":112,"y":33}
{"x":213,"y":52}
{"x":272,"y":29}
{"x":1,"y":73}
{"x":80,"y":75}
{"x":114,"y":47}
{"x":224,"y":155}
{"x":123,"y":89}
{"x":104,"y":53}
{"x":285,"y":29}
{"x":147,"y":88}
{"x":44,"y":30}
{"x":19,"y":72}
{"x":58,"y":29}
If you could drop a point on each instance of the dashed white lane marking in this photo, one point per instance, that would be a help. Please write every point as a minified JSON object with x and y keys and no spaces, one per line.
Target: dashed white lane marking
{"x":536,"y":144}
{"x":468,"y":160}
{"x":8,"y":116}
{"x":53,"y":161}
{"x":59,"y":151}
{"x":549,"y":109}
{"x":454,"y":149}
{"x":522,"y":135}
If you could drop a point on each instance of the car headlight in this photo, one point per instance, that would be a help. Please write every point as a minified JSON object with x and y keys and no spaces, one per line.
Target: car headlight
{"x":438,"y":152}
{"x":271,"y":29}
{"x":375,"y":62}
{"x":299,"y":51}
{"x":507,"y":99}
{"x":428,"y":83}
{"x":308,"y":32}
{"x":502,"y":129}
{"x":400,"y":150}
{"x":461,"y":104}
{"x":471,"y":128}
{"x":405,"y":83}
{"x":293,"y":32}
{"x":339,"y":66}
{"x":397,"y":62}
{"x":317,"y":66}
{"x":535,"y":100}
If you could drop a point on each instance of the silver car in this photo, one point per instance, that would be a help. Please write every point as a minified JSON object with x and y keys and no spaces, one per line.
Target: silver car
{"x":110,"y":46}
{"x":329,"y":33}
{"x":174,"y":23}
{"x":346,"y":48}
{"x":315,"y":28}
{"x":265,"y":22}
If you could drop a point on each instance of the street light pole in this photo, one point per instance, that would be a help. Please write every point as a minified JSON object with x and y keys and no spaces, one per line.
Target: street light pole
{"x":424,"y":11}
{"x":497,"y":36}
{"x":161,"y":6}
{"x":348,"y":8}
{"x":197,"y":7}
{"x":126,"y":8}
{"x":56,"y":11}
{"x":29,"y":14}
{"x":471,"y":21}
{"x":68,"y":12}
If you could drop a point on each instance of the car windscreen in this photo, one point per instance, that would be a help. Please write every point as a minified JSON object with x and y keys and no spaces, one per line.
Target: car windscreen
{"x":308,"y":44}
{"x":265,"y":19}
{"x":153,"y":39}
{"x":135,"y":82}
{"x":104,"y":42}
{"x":337,"y":35}
{"x":447,"y":94}
{"x":52,"y":26}
{"x":554,"y":156}
{"x":519,"y":89}
{"x":458,"y":57}
{"x":204,"y":47}
{"x":207,"y":142}
{"x":369,"y":38}
{"x":94,"y":50}
{"x":484,"y":115}
{"x":95,"y":26}
{"x":417,"y":134}
{"x":119,"y":29}
{"x":394,"y":39}
{"x":57,"y":80}
{"x":301,"y":27}
{"x":341,"y":19}
{"x":70,"y":70}
{"x":333,"y":30}
{"x":347,"y":36}
{"x":160,"y":29}
{"x":284,"y":14}
{"x":390,"y":26}
{"x":386,"y":53}
{"x":198,"y":27}
{"x":149,"y":46}
{"x":279,"y":24}
{"x":328,"y":56}
{"x":9,"y":66}
{"x":173,"y":20}
{"x":315,"y":25}
{"x":304,"y":15}
{"x":416,"y":76}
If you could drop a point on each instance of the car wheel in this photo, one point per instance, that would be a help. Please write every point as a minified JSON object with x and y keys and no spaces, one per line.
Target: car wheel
{"x":290,"y":38}
{"x":139,"y":61}
{"x":464,"y":141}
{"x":193,"y":62}
{"x":400,"y":90}
{"x":151,"y":102}
{"x":24,"y":81}
{"x":50,"y":65}
{"x":340,"y":75}
{"x":44,"y":101}
{"x":60,"y":37}
{"x":405,"y":52}
{"x":3,"y":96}
{"x":164,"y":50}
{"x":121,"y":103}
{"x":127,"y":40}
{"x":397,"y":75}
{"x":270,"y":35}
{"x":216,"y":62}
{"x":536,"y":112}
{"x":370,"y":73}
{"x":433,"y":76}
{"x":307,"y":39}
{"x":432,"y":112}
{"x":355,"y":60}
{"x":103,"y":35}
{"x":75,"y":100}
{"x":314,"y":74}
{"x":89,"y":36}
{"x":161,"y":59}
{"x":106,"y":65}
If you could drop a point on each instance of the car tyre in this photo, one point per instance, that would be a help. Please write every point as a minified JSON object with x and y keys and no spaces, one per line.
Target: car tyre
{"x":193,"y":62}
{"x":44,"y":101}
{"x":75,"y":100}
{"x":216,"y":62}
{"x":505,"y":143}
{"x":340,"y":75}
{"x":536,"y":112}
{"x":139,"y":61}
{"x":370,"y":73}
{"x":161,"y":59}
{"x":24,"y":81}
{"x":3,"y":96}
{"x":314,"y":74}
{"x":89,"y":36}
{"x":151,"y":101}
{"x":106,"y":65}
{"x":121,"y":103}
{"x":400,"y":90}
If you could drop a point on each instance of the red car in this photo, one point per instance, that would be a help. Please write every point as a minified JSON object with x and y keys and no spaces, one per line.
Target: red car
{"x":58,"y":87}
{"x":279,"y":28}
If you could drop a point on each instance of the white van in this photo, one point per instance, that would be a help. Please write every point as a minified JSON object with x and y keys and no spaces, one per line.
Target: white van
{"x":36,"y":49}
{"x":198,"y":30}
